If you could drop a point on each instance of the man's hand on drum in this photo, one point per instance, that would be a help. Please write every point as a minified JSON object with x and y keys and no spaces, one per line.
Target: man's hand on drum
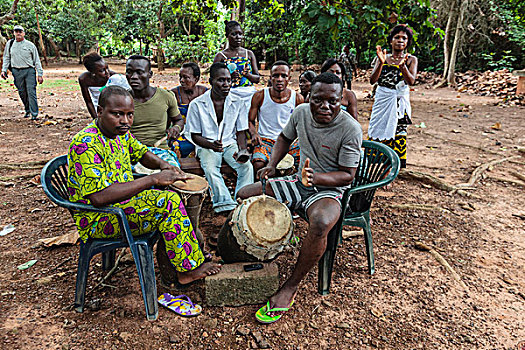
{"x":169,"y":176}
{"x":168,"y":166}
{"x":217,"y":146}
{"x":266,"y":172}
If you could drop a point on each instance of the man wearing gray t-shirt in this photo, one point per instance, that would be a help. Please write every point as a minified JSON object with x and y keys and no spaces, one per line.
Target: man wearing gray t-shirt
{"x":330,"y":143}
{"x":21,"y":58}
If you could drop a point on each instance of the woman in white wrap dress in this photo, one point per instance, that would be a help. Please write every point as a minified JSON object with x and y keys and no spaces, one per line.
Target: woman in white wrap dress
{"x":394,"y":73}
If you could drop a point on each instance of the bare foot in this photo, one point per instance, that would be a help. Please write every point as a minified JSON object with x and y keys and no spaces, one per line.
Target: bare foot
{"x":206,"y":269}
{"x":282,"y":299}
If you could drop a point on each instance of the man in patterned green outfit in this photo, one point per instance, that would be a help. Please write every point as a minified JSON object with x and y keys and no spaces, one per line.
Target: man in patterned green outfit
{"x":100,"y":158}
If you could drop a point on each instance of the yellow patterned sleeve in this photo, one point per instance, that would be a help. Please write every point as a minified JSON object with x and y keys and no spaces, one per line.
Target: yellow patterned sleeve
{"x":86,"y":165}
{"x":136,"y":149}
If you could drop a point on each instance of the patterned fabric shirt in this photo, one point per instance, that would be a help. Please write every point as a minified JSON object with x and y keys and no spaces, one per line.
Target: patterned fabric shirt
{"x":95,"y":162}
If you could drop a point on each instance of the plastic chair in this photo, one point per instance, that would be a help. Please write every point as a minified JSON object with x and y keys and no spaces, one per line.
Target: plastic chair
{"x":378,"y":167}
{"x":54,"y":183}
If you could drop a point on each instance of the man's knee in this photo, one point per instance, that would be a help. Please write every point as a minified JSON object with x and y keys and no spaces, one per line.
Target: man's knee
{"x":209,"y":161}
{"x":251,"y":190}
{"x":323,"y":215}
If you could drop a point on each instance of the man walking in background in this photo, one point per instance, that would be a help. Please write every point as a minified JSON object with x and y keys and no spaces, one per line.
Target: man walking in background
{"x":348,"y":60}
{"x":21,"y":58}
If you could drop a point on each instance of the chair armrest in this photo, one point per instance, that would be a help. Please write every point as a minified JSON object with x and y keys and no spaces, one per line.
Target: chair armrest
{"x":368,"y":187}
{"x":88,"y":207}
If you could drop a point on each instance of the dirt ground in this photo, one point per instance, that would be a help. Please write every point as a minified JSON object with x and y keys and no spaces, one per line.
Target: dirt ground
{"x":410,"y":302}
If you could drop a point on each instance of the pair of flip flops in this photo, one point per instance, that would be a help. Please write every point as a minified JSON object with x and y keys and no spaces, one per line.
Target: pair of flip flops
{"x":262,"y":314}
{"x":181,"y":305}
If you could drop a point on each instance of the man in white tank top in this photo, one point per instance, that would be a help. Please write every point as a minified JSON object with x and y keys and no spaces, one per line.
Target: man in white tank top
{"x":272,"y":108}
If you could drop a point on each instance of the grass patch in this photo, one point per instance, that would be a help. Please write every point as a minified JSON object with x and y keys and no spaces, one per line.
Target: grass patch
{"x":50,"y":85}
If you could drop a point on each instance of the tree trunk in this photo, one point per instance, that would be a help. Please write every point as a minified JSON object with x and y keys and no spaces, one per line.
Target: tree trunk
{"x":451,"y":76}
{"x":10,"y":15}
{"x":446,"y":48}
{"x":242,"y":10}
{"x":40,"y":36}
{"x":160,"y":53}
{"x":77,"y":51}
{"x":56,"y":51}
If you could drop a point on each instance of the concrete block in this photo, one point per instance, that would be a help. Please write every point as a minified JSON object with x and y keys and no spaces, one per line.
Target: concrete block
{"x":235,"y":287}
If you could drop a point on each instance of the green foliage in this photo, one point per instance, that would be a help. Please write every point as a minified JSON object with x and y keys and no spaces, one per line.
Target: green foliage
{"x":504,"y":62}
{"x":303,"y":31}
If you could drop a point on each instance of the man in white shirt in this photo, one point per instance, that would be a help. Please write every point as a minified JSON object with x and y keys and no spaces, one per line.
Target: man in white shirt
{"x":272,"y":107}
{"x":21,"y":58}
{"x":217,"y":123}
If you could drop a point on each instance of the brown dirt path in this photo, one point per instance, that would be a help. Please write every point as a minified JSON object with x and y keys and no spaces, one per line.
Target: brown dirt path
{"x":411,"y":301}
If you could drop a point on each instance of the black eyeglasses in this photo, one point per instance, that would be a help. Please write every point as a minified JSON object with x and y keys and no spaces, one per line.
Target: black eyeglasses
{"x":18,"y":30}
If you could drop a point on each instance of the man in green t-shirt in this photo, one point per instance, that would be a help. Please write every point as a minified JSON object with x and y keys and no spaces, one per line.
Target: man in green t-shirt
{"x":156,"y":110}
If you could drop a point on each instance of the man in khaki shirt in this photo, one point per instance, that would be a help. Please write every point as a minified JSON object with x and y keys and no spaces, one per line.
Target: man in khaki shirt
{"x":21,"y":58}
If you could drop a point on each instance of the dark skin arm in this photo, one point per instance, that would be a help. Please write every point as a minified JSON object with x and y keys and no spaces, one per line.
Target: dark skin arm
{"x":178,"y":125}
{"x":119,"y":192}
{"x":204,"y":143}
{"x":343,"y":177}
{"x":254,"y":76}
{"x":298,"y":99}
{"x":352,"y":105}
{"x":257,"y":101}
{"x":408,"y":67}
{"x":86,"y":95}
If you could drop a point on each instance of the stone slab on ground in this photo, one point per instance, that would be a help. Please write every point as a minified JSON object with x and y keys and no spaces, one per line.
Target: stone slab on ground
{"x":235,"y":287}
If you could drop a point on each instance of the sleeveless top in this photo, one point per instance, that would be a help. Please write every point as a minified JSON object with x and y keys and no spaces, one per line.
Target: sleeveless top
{"x":274,"y":116}
{"x":241,"y":63}
{"x":183,"y":108}
{"x":94,"y":91}
{"x":390,"y":76}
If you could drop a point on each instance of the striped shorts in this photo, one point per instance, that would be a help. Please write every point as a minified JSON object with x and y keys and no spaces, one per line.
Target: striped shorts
{"x":297,"y":197}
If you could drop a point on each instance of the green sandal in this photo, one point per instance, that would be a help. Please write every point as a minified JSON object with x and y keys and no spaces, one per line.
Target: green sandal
{"x":262,"y":314}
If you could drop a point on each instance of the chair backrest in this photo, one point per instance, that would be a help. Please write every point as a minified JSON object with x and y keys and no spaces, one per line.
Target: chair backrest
{"x":378,"y":167}
{"x":54,"y":181}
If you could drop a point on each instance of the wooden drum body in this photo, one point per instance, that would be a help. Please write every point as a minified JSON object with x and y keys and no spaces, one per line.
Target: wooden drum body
{"x":258,"y":230}
{"x":192,"y":193}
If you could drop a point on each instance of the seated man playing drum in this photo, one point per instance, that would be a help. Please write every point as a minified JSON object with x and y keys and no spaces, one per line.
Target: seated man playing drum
{"x":100,"y":158}
{"x":330,"y":142}
{"x":217,"y":122}
{"x":272,"y":107}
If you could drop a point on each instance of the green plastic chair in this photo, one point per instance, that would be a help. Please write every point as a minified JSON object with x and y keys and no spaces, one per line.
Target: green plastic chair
{"x":379,"y":166}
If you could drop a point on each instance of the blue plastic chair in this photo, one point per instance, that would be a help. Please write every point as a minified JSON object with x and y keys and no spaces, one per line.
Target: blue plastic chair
{"x":378,"y":167}
{"x":54,"y":183}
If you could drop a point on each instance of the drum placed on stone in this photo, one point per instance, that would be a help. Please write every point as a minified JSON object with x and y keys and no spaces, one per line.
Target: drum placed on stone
{"x":257,"y":230}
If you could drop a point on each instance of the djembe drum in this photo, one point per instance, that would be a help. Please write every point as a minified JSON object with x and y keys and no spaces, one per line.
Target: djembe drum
{"x":257,"y":230}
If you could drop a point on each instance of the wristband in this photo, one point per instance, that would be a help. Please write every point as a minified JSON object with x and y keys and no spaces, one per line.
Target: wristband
{"x":177,"y":125}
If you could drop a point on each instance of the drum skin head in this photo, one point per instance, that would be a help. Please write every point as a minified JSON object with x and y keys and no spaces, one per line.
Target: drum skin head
{"x":195,"y":184}
{"x":268,"y":220}
{"x":286,"y":162}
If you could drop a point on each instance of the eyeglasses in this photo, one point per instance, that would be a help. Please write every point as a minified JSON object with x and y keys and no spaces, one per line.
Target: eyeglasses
{"x":19,"y":31}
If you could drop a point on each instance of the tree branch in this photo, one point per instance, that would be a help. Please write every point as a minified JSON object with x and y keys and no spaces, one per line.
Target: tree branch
{"x":10,"y":15}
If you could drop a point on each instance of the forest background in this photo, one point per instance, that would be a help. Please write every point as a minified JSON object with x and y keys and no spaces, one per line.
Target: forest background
{"x":450,"y":35}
